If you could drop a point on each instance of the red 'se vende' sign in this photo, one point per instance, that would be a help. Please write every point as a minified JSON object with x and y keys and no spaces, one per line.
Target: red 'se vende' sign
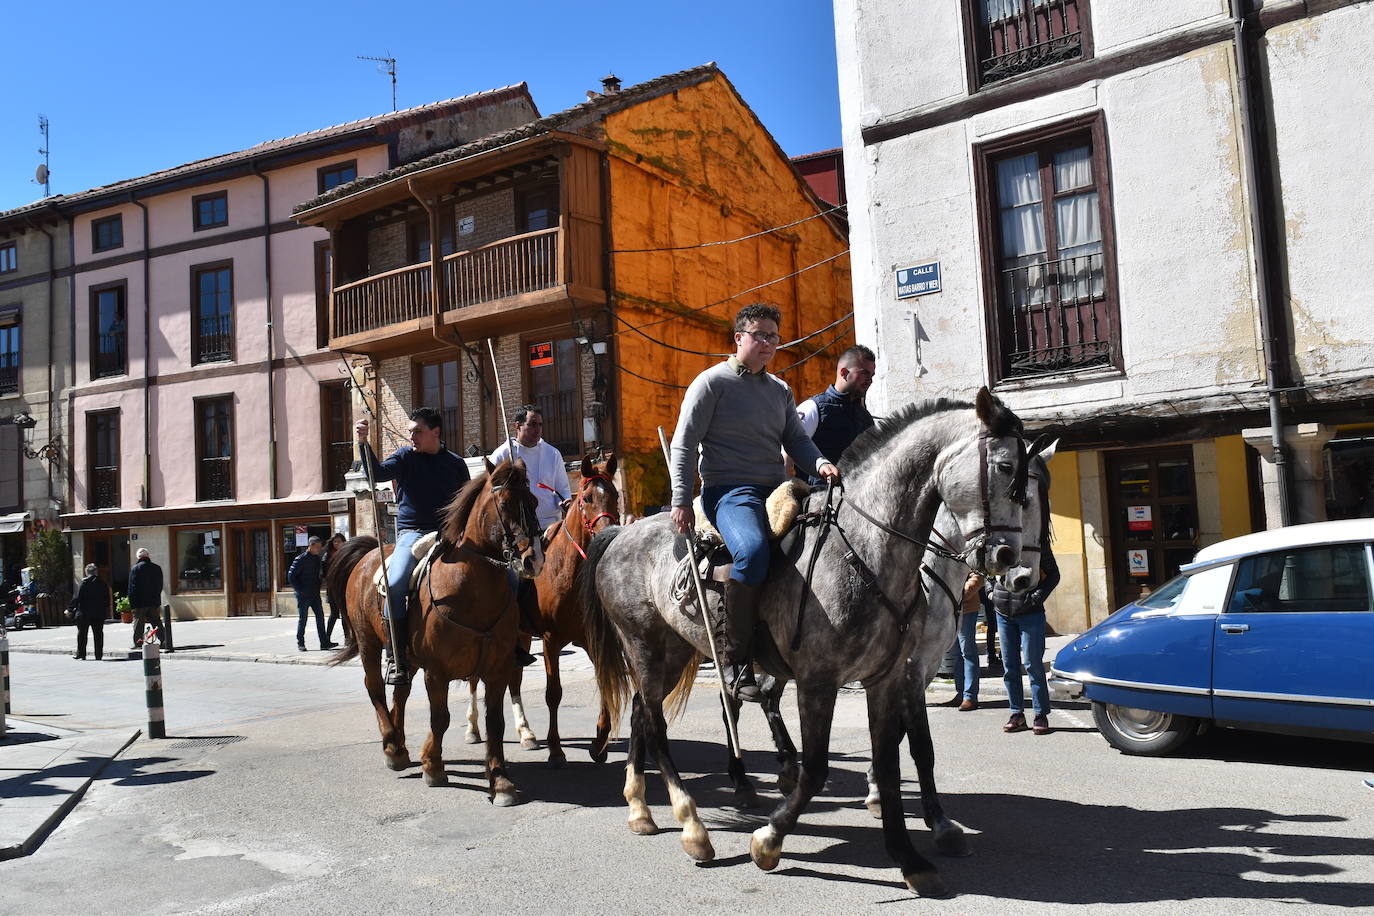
{"x":541,"y":354}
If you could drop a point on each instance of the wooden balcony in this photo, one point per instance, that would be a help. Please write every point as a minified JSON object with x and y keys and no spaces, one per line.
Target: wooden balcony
{"x":506,"y":281}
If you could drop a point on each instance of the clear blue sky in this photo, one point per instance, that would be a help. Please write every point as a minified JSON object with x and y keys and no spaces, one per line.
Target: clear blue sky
{"x":135,"y":87}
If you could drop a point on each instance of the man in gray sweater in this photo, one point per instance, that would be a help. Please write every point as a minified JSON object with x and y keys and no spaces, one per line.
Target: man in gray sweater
{"x":740,"y":418}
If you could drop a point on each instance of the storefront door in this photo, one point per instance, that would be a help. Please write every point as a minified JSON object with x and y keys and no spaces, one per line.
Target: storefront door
{"x":109,"y":551}
{"x":250,"y":570}
{"x":1154,"y":527}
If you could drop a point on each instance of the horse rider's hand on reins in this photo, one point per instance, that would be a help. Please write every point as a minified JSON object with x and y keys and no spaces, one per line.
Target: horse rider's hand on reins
{"x":682,"y":518}
{"x":361,"y":429}
{"x":829,"y":472}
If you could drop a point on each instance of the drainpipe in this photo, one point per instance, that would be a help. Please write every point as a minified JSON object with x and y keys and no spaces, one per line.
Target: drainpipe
{"x":71,"y":361}
{"x":53,"y":400}
{"x":147,"y":496}
{"x":1265,"y":248}
{"x":436,"y":266}
{"x":271,"y":373}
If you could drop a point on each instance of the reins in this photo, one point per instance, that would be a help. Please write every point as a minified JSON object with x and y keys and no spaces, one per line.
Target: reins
{"x":588,"y":525}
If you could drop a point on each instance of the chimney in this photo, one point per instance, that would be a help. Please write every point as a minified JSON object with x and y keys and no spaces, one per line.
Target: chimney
{"x":610,"y":83}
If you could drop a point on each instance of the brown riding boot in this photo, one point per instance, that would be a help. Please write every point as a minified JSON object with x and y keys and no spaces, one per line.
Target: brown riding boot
{"x":736,"y":661}
{"x":397,"y":671}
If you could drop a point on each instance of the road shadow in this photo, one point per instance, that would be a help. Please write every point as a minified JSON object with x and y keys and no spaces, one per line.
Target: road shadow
{"x":1078,"y":854}
{"x":1236,"y":746}
{"x":13,"y":738}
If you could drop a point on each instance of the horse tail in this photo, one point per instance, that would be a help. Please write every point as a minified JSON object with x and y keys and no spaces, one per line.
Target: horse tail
{"x":675,"y":703}
{"x":341,"y":566}
{"x":602,"y":640}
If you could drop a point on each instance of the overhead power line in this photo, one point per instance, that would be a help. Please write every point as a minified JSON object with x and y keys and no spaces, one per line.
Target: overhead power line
{"x":742,"y":238}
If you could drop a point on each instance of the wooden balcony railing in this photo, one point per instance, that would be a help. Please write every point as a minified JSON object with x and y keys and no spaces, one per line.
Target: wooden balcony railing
{"x":509,"y":267}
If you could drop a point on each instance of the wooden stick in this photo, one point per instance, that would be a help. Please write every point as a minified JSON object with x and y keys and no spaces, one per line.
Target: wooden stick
{"x":731,"y":731}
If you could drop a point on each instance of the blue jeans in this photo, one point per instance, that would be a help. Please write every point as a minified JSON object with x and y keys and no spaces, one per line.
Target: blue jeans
{"x":965,"y":651}
{"x":304,"y":605}
{"x":741,"y":516}
{"x":1023,"y":642}
{"x":399,"y":566}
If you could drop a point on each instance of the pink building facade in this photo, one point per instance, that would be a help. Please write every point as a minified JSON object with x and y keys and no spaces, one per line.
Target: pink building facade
{"x":208,"y":420}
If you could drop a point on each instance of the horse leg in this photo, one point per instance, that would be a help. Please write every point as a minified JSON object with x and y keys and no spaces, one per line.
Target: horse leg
{"x":885,"y":724}
{"x":399,"y":695}
{"x":473,"y":733}
{"x":432,"y":755}
{"x":553,"y":695}
{"x":817,"y":707}
{"x":528,"y":741}
{"x":873,"y":801}
{"x":696,"y":842}
{"x":772,"y":688}
{"x":949,"y":836}
{"x":502,"y":791}
{"x":641,"y":820}
{"x":601,"y":745}
{"x":745,"y":796}
{"x":393,"y":742}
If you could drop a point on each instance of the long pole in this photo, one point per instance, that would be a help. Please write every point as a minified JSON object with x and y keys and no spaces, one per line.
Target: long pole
{"x":500,"y":398}
{"x":733,"y":733}
{"x":381,"y":541}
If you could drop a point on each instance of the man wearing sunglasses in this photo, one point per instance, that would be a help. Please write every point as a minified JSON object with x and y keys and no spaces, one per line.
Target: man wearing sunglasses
{"x":735,"y":421}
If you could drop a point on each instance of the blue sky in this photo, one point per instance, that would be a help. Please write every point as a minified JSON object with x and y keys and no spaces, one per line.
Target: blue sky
{"x":140,"y":86}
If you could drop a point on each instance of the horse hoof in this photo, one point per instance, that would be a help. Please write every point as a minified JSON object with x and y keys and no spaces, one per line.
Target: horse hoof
{"x":529,"y":744}
{"x":599,"y":754}
{"x":746,"y":798}
{"x":926,"y":884}
{"x":472,"y":738}
{"x":557,"y":761}
{"x":952,"y":842}
{"x":505,"y":799}
{"x":700,"y":850}
{"x":643,"y":826}
{"x":875,"y":807}
{"x":436,"y":779}
{"x":398,"y":762}
{"x":765,"y":849}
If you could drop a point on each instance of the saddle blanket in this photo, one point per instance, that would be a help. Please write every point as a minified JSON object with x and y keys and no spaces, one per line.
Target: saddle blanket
{"x":421,"y":550}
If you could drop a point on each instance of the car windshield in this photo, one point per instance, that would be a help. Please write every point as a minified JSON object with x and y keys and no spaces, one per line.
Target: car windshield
{"x":1166,"y":596}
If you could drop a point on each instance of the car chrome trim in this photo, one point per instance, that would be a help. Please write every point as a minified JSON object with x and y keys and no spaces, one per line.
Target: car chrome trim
{"x":1292,"y":698}
{"x":1137,"y":685}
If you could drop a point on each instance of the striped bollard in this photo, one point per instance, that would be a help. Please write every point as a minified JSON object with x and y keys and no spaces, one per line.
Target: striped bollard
{"x":5,"y":667}
{"x":152,"y":675}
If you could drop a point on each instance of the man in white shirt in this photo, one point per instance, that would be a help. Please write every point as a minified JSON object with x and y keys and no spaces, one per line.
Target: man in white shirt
{"x":543,"y":463}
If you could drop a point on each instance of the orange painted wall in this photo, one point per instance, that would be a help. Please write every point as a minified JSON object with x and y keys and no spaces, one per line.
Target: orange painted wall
{"x":690,"y":167}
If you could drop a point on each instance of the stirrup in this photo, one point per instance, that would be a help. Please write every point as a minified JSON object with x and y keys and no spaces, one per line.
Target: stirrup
{"x":741,"y":684}
{"x":396,"y":675}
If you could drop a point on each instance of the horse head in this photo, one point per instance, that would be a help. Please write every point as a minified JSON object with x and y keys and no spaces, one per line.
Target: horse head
{"x":514,"y":508}
{"x":982,"y":481}
{"x":1035,"y":520}
{"x":597,"y":498}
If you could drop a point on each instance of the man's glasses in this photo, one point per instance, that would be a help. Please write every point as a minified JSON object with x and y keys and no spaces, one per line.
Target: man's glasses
{"x":765,"y":337}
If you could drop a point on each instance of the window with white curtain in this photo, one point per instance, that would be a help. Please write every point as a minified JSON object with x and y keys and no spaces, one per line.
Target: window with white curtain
{"x":1011,"y":37}
{"x":1049,"y":284}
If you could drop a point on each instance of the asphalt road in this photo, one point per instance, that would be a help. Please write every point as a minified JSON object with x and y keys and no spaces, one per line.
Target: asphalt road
{"x":271,"y":796}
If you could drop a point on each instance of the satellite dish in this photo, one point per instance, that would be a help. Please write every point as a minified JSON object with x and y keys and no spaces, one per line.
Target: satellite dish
{"x":40,"y":174}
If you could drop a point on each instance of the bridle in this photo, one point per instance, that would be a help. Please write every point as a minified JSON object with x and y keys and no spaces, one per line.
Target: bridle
{"x":512,"y":546}
{"x":587,"y":483}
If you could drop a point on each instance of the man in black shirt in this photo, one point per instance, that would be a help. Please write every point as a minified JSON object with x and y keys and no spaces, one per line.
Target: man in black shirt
{"x":427,"y":476}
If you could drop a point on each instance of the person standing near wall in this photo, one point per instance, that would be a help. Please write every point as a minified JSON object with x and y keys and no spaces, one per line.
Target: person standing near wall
{"x":89,"y":606}
{"x":305,"y":576}
{"x":145,"y":594}
{"x":1021,"y":629}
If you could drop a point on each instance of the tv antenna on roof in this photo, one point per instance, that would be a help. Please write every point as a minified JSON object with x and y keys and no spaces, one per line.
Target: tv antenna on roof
{"x":41,"y":174}
{"x":389,"y":68}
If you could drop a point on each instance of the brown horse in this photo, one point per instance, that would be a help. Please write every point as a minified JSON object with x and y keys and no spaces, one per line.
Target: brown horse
{"x":464,"y":621}
{"x":559,"y":620}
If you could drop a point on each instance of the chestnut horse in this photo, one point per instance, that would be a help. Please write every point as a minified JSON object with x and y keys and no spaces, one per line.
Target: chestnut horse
{"x":463,"y":617}
{"x":596,"y":506}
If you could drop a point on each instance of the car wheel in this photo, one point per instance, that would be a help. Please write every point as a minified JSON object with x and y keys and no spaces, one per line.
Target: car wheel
{"x":1143,"y":731}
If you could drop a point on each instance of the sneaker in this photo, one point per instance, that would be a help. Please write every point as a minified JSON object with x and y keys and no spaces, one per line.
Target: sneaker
{"x":1041,"y":725}
{"x":968,"y":706}
{"x":1017,"y":723}
{"x":328,"y":645}
{"x":300,"y":647}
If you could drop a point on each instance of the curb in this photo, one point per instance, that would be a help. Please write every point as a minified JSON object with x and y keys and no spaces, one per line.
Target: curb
{"x":50,"y":823}
{"x":194,"y":656}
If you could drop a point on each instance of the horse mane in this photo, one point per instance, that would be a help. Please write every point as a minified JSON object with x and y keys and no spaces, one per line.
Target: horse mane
{"x":878,"y":437}
{"x":1046,"y":533}
{"x":455,"y":514}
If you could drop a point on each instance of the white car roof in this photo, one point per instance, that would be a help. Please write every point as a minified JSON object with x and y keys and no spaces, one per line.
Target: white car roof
{"x":1354,"y":529}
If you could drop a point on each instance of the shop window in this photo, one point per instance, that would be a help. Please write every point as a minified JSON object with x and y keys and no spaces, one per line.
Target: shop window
{"x":1350,"y":477}
{"x":1154,"y":521}
{"x":199,"y":560}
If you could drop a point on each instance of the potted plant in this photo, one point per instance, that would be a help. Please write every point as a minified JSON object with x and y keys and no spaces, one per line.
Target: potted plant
{"x":124,"y":609}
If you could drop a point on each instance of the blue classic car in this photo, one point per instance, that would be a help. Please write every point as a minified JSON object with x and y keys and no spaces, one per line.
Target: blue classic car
{"x":1272,"y":631}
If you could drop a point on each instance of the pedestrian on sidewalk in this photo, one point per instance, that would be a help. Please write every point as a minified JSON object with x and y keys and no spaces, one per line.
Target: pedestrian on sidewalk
{"x":966,"y":644}
{"x":145,"y":594}
{"x":89,"y":607}
{"x":1021,"y":630}
{"x":304,"y":576}
{"x":335,"y":542}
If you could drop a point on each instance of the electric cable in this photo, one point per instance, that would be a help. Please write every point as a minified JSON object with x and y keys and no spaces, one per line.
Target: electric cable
{"x":742,"y":238}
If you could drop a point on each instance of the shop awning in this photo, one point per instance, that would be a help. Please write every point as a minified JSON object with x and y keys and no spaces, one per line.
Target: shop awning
{"x":14,"y":522}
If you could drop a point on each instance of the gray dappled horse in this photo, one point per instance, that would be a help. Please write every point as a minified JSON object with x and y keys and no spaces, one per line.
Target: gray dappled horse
{"x":863,"y":614}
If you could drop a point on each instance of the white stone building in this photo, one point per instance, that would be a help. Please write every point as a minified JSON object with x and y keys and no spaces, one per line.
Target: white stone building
{"x":1151,"y":235}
